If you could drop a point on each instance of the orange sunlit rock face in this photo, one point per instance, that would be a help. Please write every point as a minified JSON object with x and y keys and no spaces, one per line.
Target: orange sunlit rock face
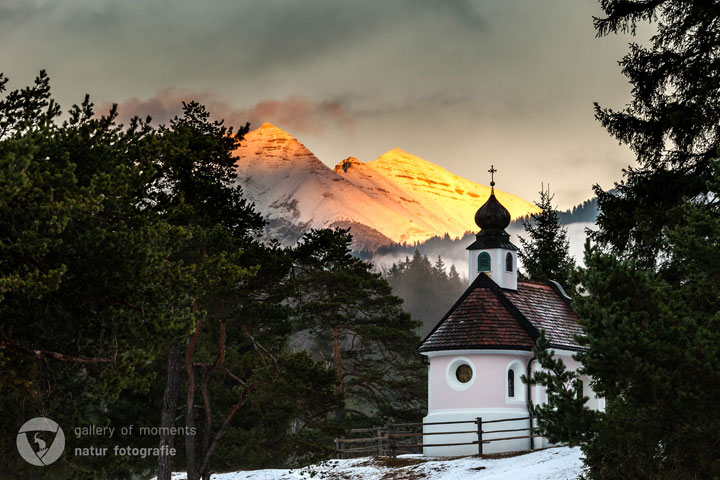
{"x":399,"y":196}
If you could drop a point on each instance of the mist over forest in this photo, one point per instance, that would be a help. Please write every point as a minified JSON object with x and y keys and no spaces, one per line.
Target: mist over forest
{"x":453,"y":251}
{"x":430,"y":276}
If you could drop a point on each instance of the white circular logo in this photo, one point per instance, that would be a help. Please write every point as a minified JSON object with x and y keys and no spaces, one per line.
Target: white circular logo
{"x":41,"y":454}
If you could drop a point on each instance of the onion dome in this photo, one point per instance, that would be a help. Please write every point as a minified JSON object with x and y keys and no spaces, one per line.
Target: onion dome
{"x":493,"y":219}
{"x":492,"y":215}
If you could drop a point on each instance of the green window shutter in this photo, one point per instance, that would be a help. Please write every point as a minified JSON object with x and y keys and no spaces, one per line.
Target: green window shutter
{"x":484,"y":262}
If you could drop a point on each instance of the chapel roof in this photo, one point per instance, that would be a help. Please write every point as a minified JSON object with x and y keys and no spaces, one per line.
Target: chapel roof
{"x":487,"y":317}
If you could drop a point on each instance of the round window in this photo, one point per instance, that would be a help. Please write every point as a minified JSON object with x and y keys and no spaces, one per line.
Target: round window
{"x":463,"y":373}
{"x":460,"y":373}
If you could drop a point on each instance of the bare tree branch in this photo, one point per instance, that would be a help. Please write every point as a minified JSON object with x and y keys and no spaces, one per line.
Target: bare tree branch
{"x":221,"y":431}
{"x":45,"y":354}
{"x":259,"y":348}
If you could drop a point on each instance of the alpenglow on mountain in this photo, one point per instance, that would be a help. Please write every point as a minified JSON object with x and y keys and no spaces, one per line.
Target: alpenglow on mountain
{"x":398,"y":197}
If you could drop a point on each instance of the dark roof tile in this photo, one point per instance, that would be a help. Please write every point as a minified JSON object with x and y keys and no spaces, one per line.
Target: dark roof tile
{"x":480,"y":321}
{"x":547,"y":310}
{"x":487,"y":317}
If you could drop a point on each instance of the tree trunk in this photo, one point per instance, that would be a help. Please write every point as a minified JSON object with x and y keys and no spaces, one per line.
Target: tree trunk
{"x":191,"y":431}
{"x":204,"y":382}
{"x":337,"y":363}
{"x":169,"y":406}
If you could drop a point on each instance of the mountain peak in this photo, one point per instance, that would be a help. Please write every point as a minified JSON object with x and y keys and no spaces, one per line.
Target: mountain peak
{"x":268,"y":128}
{"x":397,"y":158}
{"x":271,"y":145}
{"x":346,"y":164}
{"x":398,"y":151}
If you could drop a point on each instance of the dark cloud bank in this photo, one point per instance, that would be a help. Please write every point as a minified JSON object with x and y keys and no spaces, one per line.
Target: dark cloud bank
{"x":298,"y":114}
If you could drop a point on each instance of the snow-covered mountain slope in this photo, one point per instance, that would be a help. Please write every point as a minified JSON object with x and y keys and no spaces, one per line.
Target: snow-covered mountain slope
{"x":375,"y":184}
{"x":446,"y":201}
{"x":397,"y":198}
{"x":455,"y":196}
{"x":286,"y":181}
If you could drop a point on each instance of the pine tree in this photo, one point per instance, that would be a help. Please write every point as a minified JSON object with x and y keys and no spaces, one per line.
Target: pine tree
{"x":126,"y":249}
{"x":545,"y":255}
{"x":221,"y":258}
{"x":89,"y":295}
{"x":359,"y":325}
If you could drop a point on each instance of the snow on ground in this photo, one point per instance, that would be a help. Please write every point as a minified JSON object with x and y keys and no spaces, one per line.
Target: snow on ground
{"x":561,"y":463}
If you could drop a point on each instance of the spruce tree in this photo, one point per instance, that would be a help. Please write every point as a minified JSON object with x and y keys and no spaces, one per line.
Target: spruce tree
{"x":426,"y":289}
{"x":672,"y":124}
{"x":651,"y":295}
{"x":545,"y":254}
{"x":653,"y":351}
{"x":440,"y":267}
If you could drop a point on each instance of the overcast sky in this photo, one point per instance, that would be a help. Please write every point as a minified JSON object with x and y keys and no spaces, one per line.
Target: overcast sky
{"x":461,"y":83}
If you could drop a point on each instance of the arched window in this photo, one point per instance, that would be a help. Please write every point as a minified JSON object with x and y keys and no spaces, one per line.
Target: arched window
{"x":508,"y":262}
{"x":484,"y":262}
{"x":515,"y":389}
{"x":511,"y":383}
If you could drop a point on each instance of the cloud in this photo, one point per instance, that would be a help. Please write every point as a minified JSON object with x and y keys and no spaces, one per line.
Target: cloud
{"x":299,"y":114}
{"x":462,"y":10}
{"x":14,"y":13}
{"x":296,"y":114}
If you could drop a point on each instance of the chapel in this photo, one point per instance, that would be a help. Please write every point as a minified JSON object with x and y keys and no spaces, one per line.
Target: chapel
{"x":481,"y":347}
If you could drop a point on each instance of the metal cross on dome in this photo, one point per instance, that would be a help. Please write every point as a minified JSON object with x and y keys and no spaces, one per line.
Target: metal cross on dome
{"x":492,"y":175}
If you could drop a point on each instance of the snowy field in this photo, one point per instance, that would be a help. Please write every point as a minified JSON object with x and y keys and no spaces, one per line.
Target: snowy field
{"x":562,"y":463}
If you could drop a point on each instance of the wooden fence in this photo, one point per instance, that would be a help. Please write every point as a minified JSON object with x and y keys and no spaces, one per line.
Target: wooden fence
{"x":392,"y":439}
